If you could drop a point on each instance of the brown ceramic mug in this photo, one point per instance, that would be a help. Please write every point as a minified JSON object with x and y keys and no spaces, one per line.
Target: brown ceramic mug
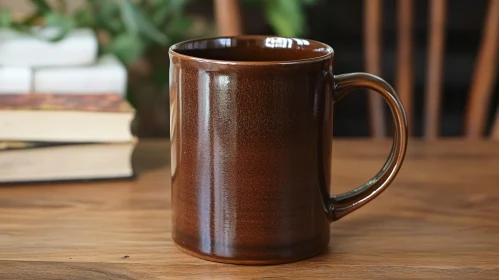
{"x":251,"y":131}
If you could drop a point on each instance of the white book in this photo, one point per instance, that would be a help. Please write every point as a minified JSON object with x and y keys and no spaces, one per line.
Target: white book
{"x":67,"y":163}
{"x":15,"y":80}
{"x":108,"y":74}
{"x":79,"y":47}
{"x":65,"y":126}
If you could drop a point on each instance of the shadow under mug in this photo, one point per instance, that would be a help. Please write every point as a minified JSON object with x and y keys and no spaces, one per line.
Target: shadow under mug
{"x":251,"y":131}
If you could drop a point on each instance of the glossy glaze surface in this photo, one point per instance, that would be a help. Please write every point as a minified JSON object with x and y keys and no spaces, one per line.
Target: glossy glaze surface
{"x":253,"y":49}
{"x":250,"y":129}
{"x":244,"y":156}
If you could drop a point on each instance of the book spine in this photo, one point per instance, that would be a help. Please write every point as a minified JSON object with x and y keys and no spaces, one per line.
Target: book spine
{"x":106,"y":102}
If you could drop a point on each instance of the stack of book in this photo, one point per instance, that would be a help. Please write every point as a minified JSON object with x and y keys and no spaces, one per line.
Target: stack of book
{"x":63,"y":113}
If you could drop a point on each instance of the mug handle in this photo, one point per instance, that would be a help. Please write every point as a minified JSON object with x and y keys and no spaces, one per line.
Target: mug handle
{"x":344,"y":204}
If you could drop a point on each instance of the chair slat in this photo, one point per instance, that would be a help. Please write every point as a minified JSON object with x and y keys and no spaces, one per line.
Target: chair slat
{"x":434,"y":67}
{"x":495,"y":128}
{"x":404,"y":76}
{"x":227,"y":17}
{"x":372,"y":51}
{"x":484,"y":77}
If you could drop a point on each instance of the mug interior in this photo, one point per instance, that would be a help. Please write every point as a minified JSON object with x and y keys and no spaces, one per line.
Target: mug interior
{"x":253,"y":49}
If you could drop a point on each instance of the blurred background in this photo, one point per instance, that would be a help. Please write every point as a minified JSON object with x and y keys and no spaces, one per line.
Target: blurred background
{"x":139,"y":33}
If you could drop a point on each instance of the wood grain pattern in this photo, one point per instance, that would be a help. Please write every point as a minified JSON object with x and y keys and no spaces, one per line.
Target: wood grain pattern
{"x":436,"y":39}
{"x":404,"y":79}
{"x":437,"y":221}
{"x":372,"y":50}
{"x":227,"y":17}
{"x":484,"y":76}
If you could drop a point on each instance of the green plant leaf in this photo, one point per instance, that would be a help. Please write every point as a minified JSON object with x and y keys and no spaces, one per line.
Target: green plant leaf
{"x":150,"y":30}
{"x":64,"y":23}
{"x":128,"y":16}
{"x":160,"y":11}
{"x":105,"y":8}
{"x":163,"y":9}
{"x":84,"y":17}
{"x":157,"y":3}
{"x":176,"y":6}
{"x":100,"y":15}
{"x":136,"y":21}
{"x":5,"y":18}
{"x":285,"y":17}
{"x":128,"y":47}
{"x":179,"y":25}
{"x":42,"y":6}
{"x":21,"y":27}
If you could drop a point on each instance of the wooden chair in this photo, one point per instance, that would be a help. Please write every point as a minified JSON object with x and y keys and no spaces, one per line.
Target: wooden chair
{"x":227,"y":16}
{"x":482,"y":82}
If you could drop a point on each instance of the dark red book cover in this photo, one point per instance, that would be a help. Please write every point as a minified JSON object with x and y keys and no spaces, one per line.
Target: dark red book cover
{"x":81,"y":102}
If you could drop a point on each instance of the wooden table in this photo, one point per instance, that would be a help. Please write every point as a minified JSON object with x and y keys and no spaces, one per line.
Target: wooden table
{"x":439,"y":220}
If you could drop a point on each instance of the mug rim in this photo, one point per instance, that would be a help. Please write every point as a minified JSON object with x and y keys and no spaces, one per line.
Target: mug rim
{"x":329,"y":51}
